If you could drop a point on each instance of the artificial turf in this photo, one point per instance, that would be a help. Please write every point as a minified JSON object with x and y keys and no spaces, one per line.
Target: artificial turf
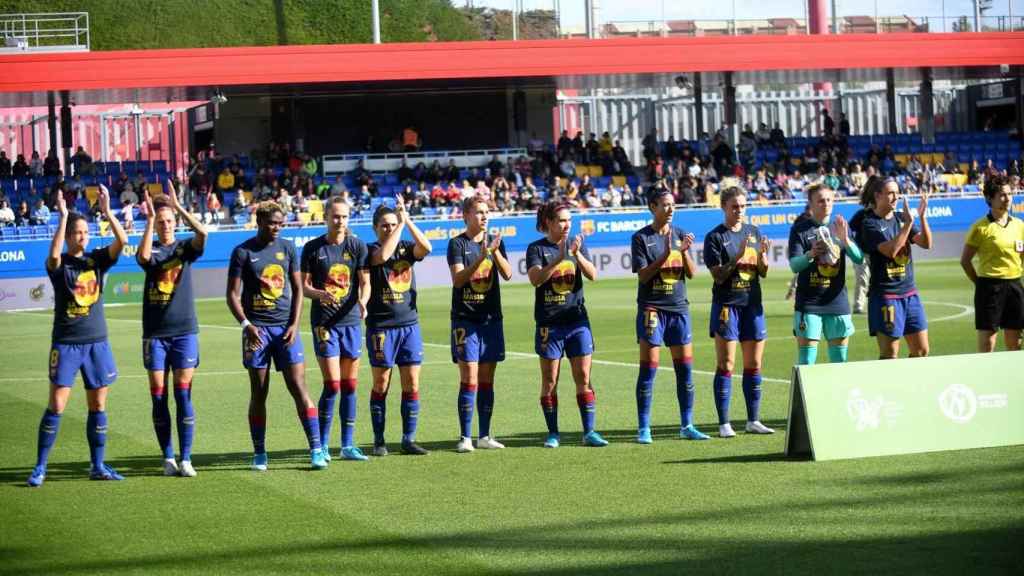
{"x":720,"y":506}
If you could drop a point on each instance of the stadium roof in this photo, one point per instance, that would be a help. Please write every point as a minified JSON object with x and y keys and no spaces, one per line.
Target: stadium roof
{"x":195,"y":74}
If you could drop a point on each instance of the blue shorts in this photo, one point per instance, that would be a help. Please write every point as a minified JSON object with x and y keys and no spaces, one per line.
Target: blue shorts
{"x":389,"y":346}
{"x":659,"y":328}
{"x":175,"y":352}
{"x":476,"y":342}
{"x":334,"y":341}
{"x":574,"y":340}
{"x":95,"y":361}
{"x":272,"y":345}
{"x":896,"y":317}
{"x":741,"y":323}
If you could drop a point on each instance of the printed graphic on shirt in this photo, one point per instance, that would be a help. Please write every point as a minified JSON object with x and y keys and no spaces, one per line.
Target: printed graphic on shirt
{"x":271,"y":286}
{"x":563,"y":278}
{"x":338,"y":281}
{"x":87,"y":293}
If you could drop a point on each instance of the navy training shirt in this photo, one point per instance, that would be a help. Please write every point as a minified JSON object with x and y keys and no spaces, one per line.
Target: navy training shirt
{"x":168,"y":306}
{"x":335,"y":268}
{"x":559,"y":301}
{"x":393,"y":288}
{"x":78,"y":297}
{"x":479,"y":300}
{"x":666,"y":290}
{"x":821,"y":287}
{"x":890,"y":277}
{"x":743,"y":287}
{"x":265,"y":270}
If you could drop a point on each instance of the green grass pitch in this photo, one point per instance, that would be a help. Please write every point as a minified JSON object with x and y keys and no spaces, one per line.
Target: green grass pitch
{"x":721,"y":506}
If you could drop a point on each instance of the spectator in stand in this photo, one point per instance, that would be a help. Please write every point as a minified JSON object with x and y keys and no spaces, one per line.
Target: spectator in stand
{"x":199,"y":182}
{"x":721,"y":154}
{"x":495,"y":165}
{"x":7,"y":217}
{"x":778,"y":137}
{"x":51,"y":166}
{"x":20,"y":168}
{"x":467,"y":190}
{"x":566,"y":166}
{"x":225,"y":181}
{"x":411,"y":141}
{"x":844,"y":127}
{"x":82,"y":162}
{"x":621,"y":159}
{"x":650,"y":145}
{"x":628,"y":198}
{"x":128,"y":195}
{"x":128,"y":214}
{"x":763,"y":135}
{"x":213,"y":206}
{"x":747,"y":149}
{"x":35,"y":165}
{"x":5,"y":165}
{"x":828,"y":125}
{"x":535,"y":145}
{"x":38,"y":216}
{"x":239,"y":207}
{"x":572,"y":195}
{"x":451,"y":172}
{"x":405,"y":173}
{"x":564,"y":144}
{"x":592,"y":150}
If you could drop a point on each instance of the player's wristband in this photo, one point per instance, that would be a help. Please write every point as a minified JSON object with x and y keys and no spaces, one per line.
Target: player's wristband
{"x":246,"y":324}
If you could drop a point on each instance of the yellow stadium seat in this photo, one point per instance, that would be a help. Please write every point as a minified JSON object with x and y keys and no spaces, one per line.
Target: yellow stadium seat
{"x":582,"y":170}
{"x":155,"y":190}
{"x":618,"y":181}
{"x":596,"y":171}
{"x":316,"y":210}
{"x":91,"y":193}
{"x":304,"y":218}
{"x":248,"y":197}
{"x":902,"y":159}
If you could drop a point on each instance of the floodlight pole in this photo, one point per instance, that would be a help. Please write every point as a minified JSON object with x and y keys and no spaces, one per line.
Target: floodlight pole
{"x":515,"y":19}
{"x":376,"y":21}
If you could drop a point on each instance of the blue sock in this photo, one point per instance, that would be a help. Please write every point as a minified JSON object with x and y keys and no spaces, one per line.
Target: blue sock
{"x":96,"y":432}
{"x":484,"y":407}
{"x":410,"y":415}
{"x":837,"y":354}
{"x":48,"y":427}
{"x":645,"y":392}
{"x":723,"y":394}
{"x":549,"y":405}
{"x":162,"y":421}
{"x":258,"y":432}
{"x":186,"y":419}
{"x":752,"y":393}
{"x":378,"y":415}
{"x":467,"y":398}
{"x":807,"y":355}
{"x":685,"y":390}
{"x":311,"y":426}
{"x":588,"y":409}
{"x":325,"y":409}
{"x":347,"y":411}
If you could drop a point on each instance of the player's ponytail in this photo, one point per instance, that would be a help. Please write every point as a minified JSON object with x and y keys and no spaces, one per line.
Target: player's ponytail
{"x":873,"y":186}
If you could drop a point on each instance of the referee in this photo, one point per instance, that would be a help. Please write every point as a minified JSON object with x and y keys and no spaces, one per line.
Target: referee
{"x":998,"y":241}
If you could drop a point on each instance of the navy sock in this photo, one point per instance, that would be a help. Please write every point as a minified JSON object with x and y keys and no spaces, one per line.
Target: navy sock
{"x":186,"y":419}
{"x":588,"y":406}
{"x":410,"y":415}
{"x":645,"y":392}
{"x":310,"y":419}
{"x":347,"y":411}
{"x":467,"y":398}
{"x":325,"y":409}
{"x":685,"y":390}
{"x":549,"y":404}
{"x":484,"y":407}
{"x":258,"y":431}
{"x":162,"y":421}
{"x":723,"y":393}
{"x":752,"y":393}
{"x":48,"y":427}
{"x":96,"y":432}
{"x":378,"y":414}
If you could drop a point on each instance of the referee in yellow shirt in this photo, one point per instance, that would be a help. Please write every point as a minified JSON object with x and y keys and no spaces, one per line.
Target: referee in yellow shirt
{"x":998,"y":240}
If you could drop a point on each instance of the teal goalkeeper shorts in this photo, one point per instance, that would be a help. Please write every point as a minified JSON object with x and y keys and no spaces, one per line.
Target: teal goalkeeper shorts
{"x":811,"y":326}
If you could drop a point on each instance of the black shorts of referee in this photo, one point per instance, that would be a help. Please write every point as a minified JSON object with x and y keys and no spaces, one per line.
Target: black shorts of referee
{"x":998,"y":304}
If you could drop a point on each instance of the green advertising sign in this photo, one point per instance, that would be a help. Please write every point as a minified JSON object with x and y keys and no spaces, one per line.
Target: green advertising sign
{"x":905,"y":406}
{"x":124,"y":287}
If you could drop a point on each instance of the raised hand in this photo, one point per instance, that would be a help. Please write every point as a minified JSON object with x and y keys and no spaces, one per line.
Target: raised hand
{"x":104,"y":199}
{"x":577,"y":243}
{"x":172,"y":195}
{"x":687,"y":242}
{"x":562,"y":248}
{"x":840,"y":229}
{"x":741,"y":249}
{"x":922,"y":206}
{"x":62,"y":206}
{"x":766,"y":244}
{"x":400,"y":208}
{"x":495,"y":243}
{"x":147,"y":201}
{"x":907,"y":215}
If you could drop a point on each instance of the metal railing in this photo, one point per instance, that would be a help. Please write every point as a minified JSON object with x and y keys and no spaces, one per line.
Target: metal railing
{"x":57,"y":32}
{"x":790,"y":26}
